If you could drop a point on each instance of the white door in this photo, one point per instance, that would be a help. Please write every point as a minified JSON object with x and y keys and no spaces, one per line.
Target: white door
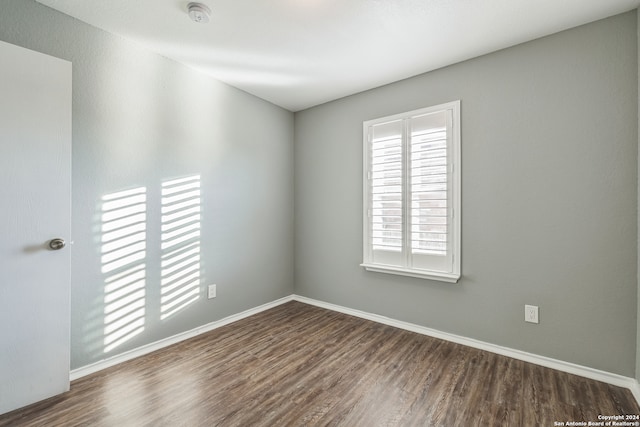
{"x":35,"y":199}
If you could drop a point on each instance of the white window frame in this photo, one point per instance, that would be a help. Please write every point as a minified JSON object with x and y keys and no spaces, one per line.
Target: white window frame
{"x":402,"y":265}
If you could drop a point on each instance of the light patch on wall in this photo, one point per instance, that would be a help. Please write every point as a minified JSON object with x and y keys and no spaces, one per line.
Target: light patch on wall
{"x":227,"y":65}
{"x":180,"y":243}
{"x":123,"y":254}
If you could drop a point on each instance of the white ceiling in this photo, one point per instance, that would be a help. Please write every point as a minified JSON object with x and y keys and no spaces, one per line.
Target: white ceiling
{"x":301,"y":53}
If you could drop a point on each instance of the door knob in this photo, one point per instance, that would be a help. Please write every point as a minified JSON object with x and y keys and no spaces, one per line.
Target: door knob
{"x":57,"y":244}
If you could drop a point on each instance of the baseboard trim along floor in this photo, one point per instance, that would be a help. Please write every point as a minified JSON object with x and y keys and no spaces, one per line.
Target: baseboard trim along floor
{"x":595,"y":374}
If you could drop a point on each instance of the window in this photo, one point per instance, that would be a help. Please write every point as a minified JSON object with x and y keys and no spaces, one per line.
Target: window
{"x":412,"y":193}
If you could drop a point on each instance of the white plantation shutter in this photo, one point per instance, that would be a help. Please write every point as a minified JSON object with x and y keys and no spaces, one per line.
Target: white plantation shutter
{"x":387,"y":183}
{"x":429,"y":172}
{"x":412,"y":193}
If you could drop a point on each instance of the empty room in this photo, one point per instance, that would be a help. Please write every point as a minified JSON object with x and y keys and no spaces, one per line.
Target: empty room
{"x":319,"y":212}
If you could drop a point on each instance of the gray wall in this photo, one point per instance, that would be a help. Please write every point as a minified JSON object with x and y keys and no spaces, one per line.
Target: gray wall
{"x":140,"y":119}
{"x":549,"y":175}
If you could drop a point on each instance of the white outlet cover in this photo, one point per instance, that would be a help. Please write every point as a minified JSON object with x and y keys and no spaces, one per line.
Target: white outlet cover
{"x":212,"y":291}
{"x":531,"y":313}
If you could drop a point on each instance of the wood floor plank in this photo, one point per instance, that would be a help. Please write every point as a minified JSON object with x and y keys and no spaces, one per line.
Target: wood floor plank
{"x":299,"y":365}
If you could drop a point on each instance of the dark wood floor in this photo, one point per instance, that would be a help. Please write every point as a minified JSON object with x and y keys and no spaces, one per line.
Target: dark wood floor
{"x":299,"y":365}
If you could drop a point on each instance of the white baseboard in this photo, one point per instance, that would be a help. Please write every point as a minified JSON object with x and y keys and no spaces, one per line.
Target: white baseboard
{"x":583,"y":371}
{"x":635,"y":390}
{"x":146,"y":349}
{"x":595,"y":374}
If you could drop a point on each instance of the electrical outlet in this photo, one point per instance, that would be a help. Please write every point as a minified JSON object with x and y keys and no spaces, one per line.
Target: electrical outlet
{"x":212,"y":291}
{"x":531,"y":313}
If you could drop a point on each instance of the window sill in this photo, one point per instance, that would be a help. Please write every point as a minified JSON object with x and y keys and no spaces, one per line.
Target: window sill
{"x":421,"y":274}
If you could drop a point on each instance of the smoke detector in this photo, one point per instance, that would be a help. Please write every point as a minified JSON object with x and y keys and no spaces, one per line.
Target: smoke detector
{"x":198,"y":12}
